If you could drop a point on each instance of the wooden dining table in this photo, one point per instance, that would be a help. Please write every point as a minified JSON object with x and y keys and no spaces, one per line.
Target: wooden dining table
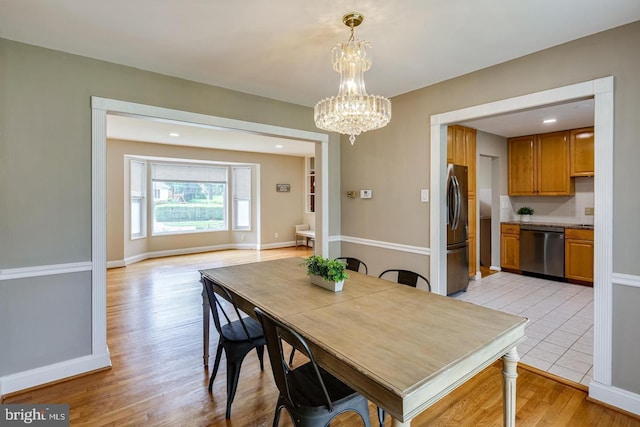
{"x":402,"y":348}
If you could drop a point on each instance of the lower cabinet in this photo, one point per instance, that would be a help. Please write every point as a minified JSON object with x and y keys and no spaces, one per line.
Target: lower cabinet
{"x":578,"y":255}
{"x":510,"y":246}
{"x":578,"y":252}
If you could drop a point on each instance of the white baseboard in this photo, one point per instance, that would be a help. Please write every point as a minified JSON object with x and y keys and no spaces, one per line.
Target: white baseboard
{"x":494,"y":268}
{"x":201,"y":249}
{"x":185,"y":251}
{"x":278,"y":245}
{"x":614,"y":396}
{"x":116,"y":264}
{"x":58,"y":371}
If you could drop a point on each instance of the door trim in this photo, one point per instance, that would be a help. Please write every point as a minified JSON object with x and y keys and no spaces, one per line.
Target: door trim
{"x":602,"y":91}
{"x":100,"y":107}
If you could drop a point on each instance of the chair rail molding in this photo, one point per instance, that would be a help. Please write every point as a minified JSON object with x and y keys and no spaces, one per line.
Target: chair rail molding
{"x":44,"y":270}
{"x":626,"y":280}
{"x":384,"y":245}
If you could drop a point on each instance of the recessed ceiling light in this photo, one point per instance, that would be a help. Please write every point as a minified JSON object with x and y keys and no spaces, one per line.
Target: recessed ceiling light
{"x":548,"y":121}
{"x":174,"y":134}
{"x":279,"y":146}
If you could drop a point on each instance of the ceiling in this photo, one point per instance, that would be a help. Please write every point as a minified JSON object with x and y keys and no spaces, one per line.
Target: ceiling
{"x":184,"y":134}
{"x":280,"y":49}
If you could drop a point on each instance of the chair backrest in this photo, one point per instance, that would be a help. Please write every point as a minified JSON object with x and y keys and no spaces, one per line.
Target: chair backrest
{"x":405,"y":277}
{"x":354,"y":264}
{"x":274,"y":331}
{"x":230,"y":313}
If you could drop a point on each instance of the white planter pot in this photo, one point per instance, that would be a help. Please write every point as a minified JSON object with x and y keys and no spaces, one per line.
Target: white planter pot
{"x":525,"y":218}
{"x":332,"y":286}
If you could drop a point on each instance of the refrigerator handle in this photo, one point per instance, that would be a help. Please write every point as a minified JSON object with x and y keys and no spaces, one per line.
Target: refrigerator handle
{"x":450,"y":201}
{"x":458,"y":203}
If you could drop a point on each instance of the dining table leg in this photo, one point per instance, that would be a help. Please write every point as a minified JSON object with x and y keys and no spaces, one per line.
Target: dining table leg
{"x":509,"y":375}
{"x":205,"y":327}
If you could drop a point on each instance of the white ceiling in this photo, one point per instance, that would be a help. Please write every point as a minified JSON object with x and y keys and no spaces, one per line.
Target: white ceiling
{"x":571,"y":115}
{"x":164,"y":132}
{"x":281,"y":48}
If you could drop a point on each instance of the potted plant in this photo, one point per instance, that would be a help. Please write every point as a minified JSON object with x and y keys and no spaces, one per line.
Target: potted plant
{"x":525,"y":213}
{"x":325,"y":272}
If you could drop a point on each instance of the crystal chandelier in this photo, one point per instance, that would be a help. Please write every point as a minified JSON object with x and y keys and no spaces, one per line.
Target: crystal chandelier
{"x":352,"y":111}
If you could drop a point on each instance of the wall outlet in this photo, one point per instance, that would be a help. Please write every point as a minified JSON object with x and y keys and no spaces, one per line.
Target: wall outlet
{"x":242,"y":237}
{"x":588,"y":211}
{"x":275,"y":235}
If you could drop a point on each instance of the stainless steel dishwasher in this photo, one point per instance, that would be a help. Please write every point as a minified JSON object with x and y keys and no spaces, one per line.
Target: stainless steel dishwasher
{"x":542,"y":250}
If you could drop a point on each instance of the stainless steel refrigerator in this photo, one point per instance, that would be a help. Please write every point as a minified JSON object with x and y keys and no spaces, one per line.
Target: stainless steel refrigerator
{"x":457,"y":229}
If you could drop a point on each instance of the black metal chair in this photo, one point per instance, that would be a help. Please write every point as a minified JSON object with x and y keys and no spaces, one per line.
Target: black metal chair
{"x":405,"y":277}
{"x":354,"y":264}
{"x":237,"y":337}
{"x":311,"y":395}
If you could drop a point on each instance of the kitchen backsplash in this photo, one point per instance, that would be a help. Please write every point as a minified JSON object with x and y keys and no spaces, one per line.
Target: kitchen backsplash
{"x":559,"y":209}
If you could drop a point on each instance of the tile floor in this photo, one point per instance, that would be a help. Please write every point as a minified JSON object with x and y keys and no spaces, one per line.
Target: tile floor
{"x":560,"y":329}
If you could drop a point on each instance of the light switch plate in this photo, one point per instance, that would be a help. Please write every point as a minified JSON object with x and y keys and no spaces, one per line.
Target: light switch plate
{"x":588,"y":211}
{"x":365,"y":194}
{"x":424,"y":195}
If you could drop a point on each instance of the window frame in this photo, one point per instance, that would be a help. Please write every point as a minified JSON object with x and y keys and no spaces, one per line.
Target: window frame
{"x":225,"y":196}
{"x":141,"y":198}
{"x":237,"y":196}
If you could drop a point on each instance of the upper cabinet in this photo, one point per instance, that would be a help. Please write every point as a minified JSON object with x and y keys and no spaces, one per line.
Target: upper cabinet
{"x":539,"y":165}
{"x":522,"y":166}
{"x":456,"y":145}
{"x":581,"y":148}
{"x":554,"y":178}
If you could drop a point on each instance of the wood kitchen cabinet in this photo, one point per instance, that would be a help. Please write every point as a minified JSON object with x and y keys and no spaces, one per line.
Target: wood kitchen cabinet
{"x":522,"y":166}
{"x":539,"y":165}
{"x":510,"y":247}
{"x":457,"y":145}
{"x":461,"y":150}
{"x":581,"y":150}
{"x":578,"y":255}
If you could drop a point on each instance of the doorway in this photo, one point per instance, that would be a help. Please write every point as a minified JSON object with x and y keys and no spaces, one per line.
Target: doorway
{"x":602,"y":90}
{"x":99,"y":109}
{"x":488,"y":171}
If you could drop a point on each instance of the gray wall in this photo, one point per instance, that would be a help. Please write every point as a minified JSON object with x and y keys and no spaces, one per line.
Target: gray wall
{"x":401,"y":151}
{"x":45,"y":168}
{"x":626,"y":318}
{"x":45,"y":183}
{"x":44,"y":320}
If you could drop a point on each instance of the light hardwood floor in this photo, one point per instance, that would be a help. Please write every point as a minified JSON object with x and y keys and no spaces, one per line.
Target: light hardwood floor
{"x":158,"y":379}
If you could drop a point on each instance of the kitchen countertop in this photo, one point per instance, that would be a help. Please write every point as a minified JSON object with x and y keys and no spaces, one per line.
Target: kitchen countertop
{"x":551,"y":224}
